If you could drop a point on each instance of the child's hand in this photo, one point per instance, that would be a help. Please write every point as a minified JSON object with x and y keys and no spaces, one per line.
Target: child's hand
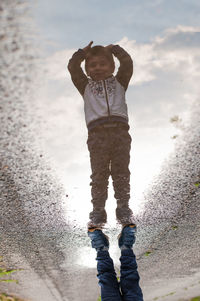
{"x":87,"y":48}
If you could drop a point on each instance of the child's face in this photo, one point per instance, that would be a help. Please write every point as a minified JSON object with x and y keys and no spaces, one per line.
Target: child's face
{"x":99,"y":68}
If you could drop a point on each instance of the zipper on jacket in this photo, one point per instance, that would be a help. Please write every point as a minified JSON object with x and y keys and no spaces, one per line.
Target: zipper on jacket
{"x":104,"y":84}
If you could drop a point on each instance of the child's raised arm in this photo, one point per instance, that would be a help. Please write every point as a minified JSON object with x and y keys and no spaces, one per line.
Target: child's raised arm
{"x":125,"y":70}
{"x":74,"y":66}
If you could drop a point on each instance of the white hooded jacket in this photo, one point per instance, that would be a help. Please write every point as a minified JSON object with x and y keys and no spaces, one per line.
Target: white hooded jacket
{"x":104,"y":100}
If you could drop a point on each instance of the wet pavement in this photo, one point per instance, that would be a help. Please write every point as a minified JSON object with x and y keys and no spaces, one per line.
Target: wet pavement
{"x":55,"y":255}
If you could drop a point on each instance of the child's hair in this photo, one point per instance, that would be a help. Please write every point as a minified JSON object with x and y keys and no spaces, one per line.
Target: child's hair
{"x":99,"y":51}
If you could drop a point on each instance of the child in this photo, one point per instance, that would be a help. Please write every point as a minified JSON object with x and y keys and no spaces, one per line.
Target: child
{"x":107,"y":121}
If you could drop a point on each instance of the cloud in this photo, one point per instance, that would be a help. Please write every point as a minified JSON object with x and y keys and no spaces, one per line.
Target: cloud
{"x":166,"y":77}
{"x":56,"y":65}
{"x":143,"y":57}
{"x":177,"y":49}
{"x":181,"y":37}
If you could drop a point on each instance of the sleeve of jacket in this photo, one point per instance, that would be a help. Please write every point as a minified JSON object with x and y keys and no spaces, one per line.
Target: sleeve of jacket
{"x":78,"y":76}
{"x":125,"y":70}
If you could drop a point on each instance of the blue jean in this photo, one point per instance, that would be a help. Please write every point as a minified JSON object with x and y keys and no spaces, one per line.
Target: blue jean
{"x":128,"y":288}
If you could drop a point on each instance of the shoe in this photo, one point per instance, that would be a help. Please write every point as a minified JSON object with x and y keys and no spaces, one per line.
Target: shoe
{"x":126,"y":238}
{"x":99,"y":240}
{"x":125,"y":216}
{"x":98,"y":218}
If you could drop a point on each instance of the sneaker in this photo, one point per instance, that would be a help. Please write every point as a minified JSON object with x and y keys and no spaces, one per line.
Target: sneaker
{"x":98,"y":218}
{"x":99,"y":240}
{"x":126,"y":238}
{"x":125,"y":216}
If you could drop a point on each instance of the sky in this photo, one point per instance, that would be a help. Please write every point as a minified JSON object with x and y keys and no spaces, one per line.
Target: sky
{"x":163,"y":38}
{"x":74,"y":23}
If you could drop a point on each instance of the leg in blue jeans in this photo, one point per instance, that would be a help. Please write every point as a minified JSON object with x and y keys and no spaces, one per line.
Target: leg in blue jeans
{"x":107,"y":277}
{"x":110,"y":288}
{"x":129,"y":279}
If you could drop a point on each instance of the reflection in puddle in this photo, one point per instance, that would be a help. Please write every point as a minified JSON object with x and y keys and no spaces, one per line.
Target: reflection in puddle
{"x":64,"y":137}
{"x":60,"y":254}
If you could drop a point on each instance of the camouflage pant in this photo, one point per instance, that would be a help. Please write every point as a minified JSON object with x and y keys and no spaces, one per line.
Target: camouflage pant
{"x":109,"y":155}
